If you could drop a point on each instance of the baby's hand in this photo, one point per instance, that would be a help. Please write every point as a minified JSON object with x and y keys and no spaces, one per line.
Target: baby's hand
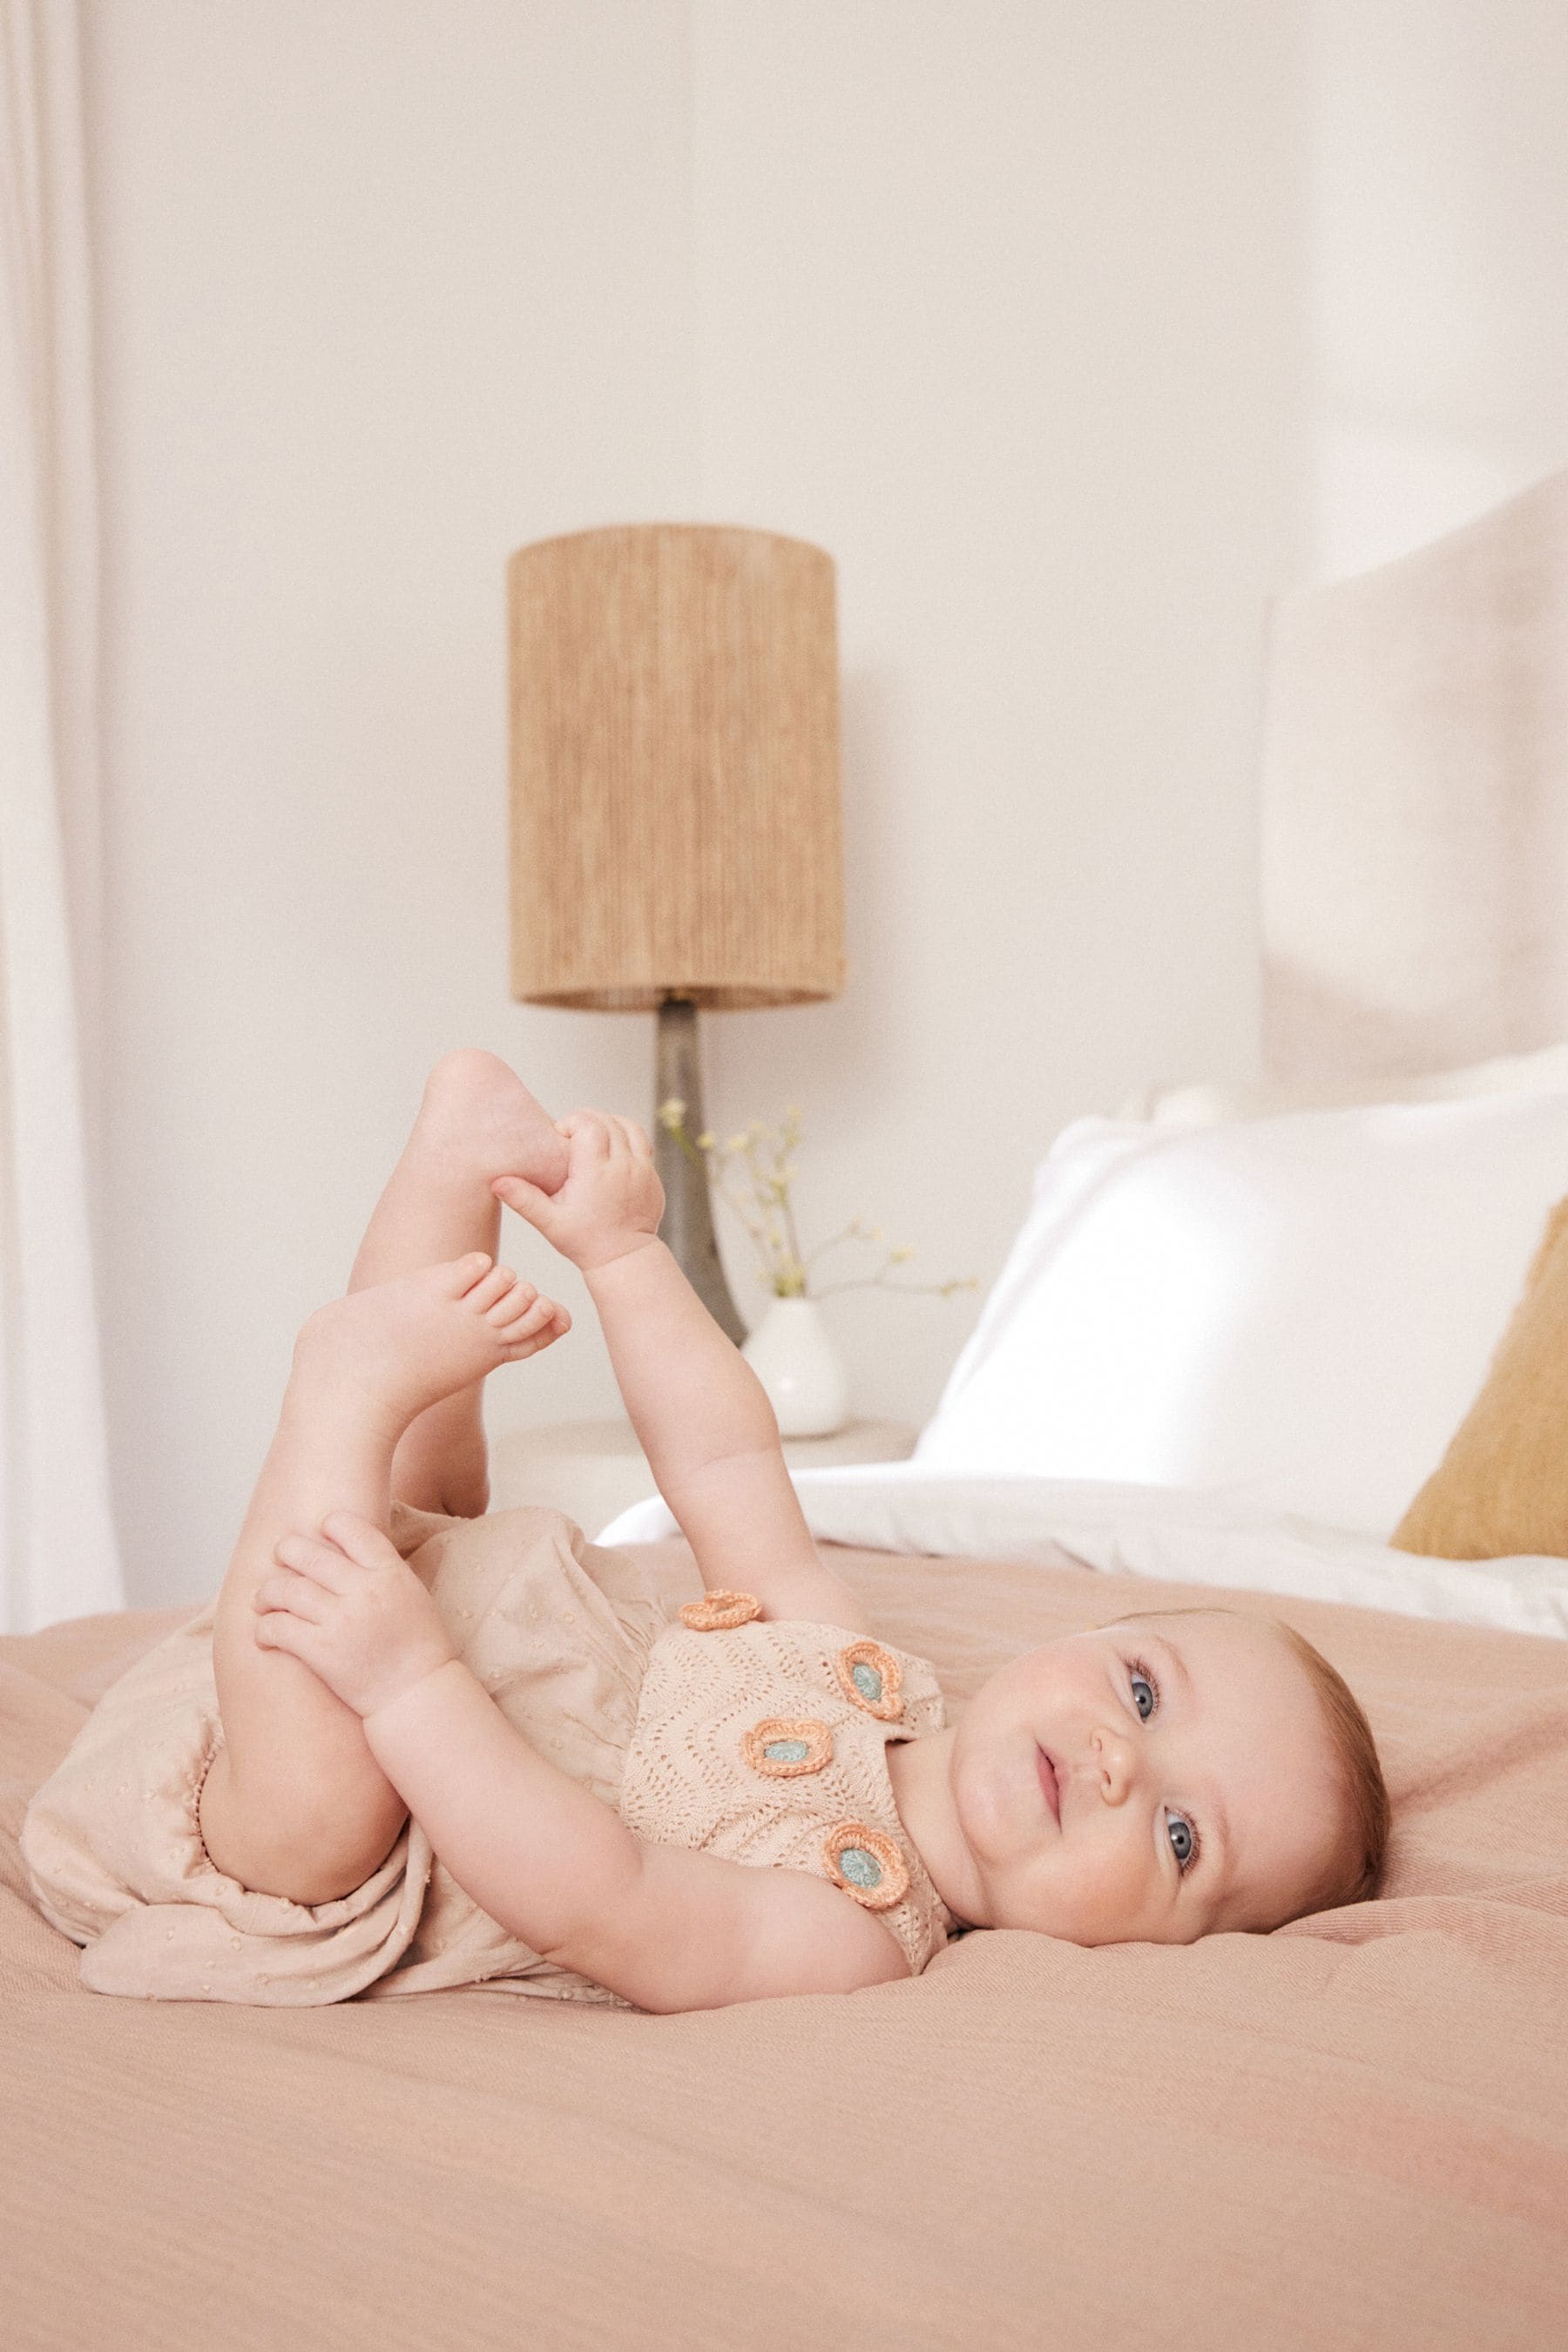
{"x":612,"y":1200}
{"x":350,"y":1608}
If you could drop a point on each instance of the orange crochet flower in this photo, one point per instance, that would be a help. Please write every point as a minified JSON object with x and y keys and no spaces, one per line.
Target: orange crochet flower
{"x":787,"y":1745}
{"x":866,"y":1865}
{"x":716,"y":1612}
{"x":872,"y":1677}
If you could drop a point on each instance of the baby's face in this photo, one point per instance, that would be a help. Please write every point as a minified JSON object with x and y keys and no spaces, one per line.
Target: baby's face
{"x":1192,"y":1785}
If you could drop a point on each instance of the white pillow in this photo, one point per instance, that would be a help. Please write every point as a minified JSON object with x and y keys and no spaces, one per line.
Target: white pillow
{"x":1306,"y":1304}
{"x":1207,"y":1105}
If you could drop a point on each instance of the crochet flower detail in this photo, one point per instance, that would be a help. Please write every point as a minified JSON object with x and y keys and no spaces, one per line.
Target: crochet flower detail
{"x":785,"y":1745}
{"x":866,"y":1865}
{"x":716,"y":1612}
{"x":871,"y":1676}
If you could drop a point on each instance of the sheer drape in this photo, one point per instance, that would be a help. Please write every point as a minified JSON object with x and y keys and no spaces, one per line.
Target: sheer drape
{"x":58,"y":1557}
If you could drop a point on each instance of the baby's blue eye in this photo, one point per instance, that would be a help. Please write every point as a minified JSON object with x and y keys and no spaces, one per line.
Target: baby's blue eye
{"x":1183,"y":1844}
{"x":1148,"y":1683}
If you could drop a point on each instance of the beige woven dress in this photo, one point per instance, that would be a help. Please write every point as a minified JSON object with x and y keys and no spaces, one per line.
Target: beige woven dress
{"x":762,"y":1741}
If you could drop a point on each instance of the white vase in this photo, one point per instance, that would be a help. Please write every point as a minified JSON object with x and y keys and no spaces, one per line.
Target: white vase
{"x":792,"y":1355}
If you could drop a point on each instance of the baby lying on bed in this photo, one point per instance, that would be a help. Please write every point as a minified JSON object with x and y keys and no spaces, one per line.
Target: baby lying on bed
{"x":243,"y":1816}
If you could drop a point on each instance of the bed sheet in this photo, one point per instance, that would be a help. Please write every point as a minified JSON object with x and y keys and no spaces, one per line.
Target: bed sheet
{"x":1239,"y":1537}
{"x":1353,"y":2132}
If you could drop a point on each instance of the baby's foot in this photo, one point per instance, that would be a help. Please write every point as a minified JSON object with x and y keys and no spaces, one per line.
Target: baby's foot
{"x":385,"y":1354}
{"x":478,"y":1120}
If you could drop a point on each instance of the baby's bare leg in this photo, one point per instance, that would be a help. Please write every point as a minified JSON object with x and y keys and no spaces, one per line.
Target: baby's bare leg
{"x":295,"y":1804}
{"x":478,"y":1121}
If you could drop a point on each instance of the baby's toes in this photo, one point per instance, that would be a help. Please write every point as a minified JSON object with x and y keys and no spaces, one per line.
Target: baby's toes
{"x":537,"y":1323}
{"x":497,"y":1285}
{"x":518,"y":1299}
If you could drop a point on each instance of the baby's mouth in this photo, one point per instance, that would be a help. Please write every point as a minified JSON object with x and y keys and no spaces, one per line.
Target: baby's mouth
{"x":1051,"y":1784}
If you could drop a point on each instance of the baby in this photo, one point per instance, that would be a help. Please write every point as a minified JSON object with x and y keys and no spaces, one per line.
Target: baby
{"x":1158,"y":1778}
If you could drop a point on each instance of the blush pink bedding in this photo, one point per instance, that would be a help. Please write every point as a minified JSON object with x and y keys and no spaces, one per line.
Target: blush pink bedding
{"x":1352,"y":2133}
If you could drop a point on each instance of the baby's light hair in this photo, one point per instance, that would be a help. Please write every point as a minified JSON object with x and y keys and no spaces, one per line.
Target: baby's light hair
{"x":1354,"y":1875}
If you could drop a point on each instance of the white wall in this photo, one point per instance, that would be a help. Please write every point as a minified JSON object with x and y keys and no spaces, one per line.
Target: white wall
{"x":1003,"y":306}
{"x":1438,"y":299}
{"x":384,"y":290}
{"x":1041,"y":318}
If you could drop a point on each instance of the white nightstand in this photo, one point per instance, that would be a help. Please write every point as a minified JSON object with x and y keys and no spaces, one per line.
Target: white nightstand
{"x":594,"y":1470}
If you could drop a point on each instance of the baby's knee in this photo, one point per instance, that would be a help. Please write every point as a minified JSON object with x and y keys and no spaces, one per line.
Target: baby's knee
{"x":307,"y":1852}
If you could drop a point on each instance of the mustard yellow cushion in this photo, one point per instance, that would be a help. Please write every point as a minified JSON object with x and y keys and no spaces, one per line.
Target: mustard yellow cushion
{"x":1502,"y":1485}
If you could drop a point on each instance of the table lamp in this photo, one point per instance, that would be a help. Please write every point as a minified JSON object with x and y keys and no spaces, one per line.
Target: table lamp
{"x":674,"y":811}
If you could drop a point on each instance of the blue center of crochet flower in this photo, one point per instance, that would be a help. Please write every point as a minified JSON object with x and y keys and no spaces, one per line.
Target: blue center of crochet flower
{"x":786,"y":1752}
{"x":866,"y":1680}
{"x":862,"y":1867}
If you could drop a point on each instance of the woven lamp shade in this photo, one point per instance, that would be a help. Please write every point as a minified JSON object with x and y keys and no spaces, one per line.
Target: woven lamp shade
{"x":675,"y":816}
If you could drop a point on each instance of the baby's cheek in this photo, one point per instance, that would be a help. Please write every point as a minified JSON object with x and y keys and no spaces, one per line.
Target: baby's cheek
{"x":1109,"y":1896}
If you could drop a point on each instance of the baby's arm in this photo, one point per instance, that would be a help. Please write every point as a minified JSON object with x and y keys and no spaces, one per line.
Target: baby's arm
{"x":665,"y":1927}
{"x":700,"y":1413}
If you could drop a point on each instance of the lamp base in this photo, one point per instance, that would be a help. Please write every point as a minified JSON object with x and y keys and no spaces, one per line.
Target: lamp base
{"x":687,"y":1225}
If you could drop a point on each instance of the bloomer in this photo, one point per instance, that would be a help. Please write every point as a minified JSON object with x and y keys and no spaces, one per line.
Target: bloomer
{"x":558,"y":1632}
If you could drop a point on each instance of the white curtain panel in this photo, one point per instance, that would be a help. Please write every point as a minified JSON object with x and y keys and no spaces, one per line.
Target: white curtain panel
{"x":58,"y":1557}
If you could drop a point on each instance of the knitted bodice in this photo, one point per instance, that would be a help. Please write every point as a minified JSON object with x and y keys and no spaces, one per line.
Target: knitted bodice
{"x":764,"y":1742}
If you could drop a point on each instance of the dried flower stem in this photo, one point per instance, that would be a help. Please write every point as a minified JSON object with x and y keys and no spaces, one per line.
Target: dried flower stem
{"x":880,"y":1282}
{"x":763,"y":1203}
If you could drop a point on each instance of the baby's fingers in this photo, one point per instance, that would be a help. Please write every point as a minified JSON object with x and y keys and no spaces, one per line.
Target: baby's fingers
{"x":527,"y":1199}
{"x":589,"y":1132}
{"x":293,"y":1595}
{"x":367,"y":1545}
{"x":279,"y":1630}
{"x":315,"y":1562}
{"x":631,"y":1141}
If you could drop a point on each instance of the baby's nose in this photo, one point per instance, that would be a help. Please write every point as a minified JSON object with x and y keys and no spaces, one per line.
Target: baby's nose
{"x":1116,"y":1763}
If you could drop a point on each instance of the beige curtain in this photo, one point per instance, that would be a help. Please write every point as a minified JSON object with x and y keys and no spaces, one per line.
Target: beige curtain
{"x":59,"y":1557}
